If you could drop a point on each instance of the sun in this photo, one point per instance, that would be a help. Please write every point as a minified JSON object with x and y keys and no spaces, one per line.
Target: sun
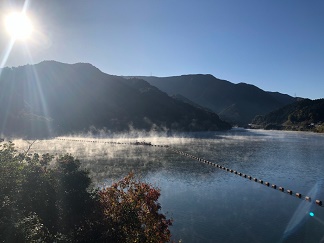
{"x":18,"y":26}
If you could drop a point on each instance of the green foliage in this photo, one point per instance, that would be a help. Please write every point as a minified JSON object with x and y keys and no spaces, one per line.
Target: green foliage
{"x":319,"y":128}
{"x":42,"y":201}
{"x":305,"y":115}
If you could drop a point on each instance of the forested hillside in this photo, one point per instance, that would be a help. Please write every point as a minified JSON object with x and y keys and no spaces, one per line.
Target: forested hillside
{"x":52,"y":98}
{"x":304,"y":115}
{"x":235,"y":103}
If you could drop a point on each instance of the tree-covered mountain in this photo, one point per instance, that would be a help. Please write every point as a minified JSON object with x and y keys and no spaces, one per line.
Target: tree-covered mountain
{"x":52,"y":98}
{"x":304,"y":115}
{"x":235,"y":103}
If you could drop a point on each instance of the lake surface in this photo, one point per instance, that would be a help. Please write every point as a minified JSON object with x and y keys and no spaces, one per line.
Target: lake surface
{"x":209,"y":204}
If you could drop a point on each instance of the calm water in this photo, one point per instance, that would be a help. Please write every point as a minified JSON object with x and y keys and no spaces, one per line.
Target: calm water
{"x":212,"y":205}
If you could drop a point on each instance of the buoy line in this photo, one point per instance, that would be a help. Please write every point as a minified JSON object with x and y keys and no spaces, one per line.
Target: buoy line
{"x":265,"y":183}
{"x":105,"y":142}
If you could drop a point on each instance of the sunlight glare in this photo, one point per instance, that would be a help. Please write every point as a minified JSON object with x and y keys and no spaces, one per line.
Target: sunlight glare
{"x":18,"y":25}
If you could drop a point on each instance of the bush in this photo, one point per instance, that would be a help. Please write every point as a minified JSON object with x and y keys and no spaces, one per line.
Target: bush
{"x":46,"y":202}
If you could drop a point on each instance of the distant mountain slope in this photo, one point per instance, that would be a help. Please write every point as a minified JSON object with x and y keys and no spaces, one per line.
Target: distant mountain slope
{"x":186,"y":100}
{"x":305,"y":115}
{"x":55,"y":98}
{"x":236,"y":103}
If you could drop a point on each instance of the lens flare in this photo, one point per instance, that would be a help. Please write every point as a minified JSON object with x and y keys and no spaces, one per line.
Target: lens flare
{"x":18,"y":25}
{"x":300,"y":215}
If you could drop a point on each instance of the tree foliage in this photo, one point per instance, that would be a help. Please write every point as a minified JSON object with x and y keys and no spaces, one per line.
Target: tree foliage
{"x":305,"y":115}
{"x":132,"y":206}
{"x":47,"y":200}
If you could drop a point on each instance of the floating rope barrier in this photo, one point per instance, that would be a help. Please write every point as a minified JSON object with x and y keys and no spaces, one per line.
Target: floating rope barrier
{"x":117,"y":143}
{"x":260,"y":181}
{"x":274,"y":186}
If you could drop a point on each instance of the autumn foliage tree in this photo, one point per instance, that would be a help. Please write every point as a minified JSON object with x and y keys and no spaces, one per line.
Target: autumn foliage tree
{"x":42,"y":200}
{"x":133,"y":208}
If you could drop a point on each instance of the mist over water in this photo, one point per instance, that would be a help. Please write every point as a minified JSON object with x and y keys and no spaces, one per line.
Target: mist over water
{"x":209,"y":204}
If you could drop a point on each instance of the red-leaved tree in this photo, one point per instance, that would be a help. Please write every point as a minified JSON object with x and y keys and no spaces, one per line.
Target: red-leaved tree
{"x":133,"y":208}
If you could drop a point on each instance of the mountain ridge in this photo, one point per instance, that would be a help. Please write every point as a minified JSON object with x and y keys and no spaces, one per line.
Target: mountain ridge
{"x":53,"y":98}
{"x":221,"y":96}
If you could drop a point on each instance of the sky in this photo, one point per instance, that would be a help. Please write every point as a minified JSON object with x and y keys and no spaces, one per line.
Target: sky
{"x":273,"y":44}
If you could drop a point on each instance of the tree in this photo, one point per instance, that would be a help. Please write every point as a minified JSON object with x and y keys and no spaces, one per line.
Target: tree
{"x":47,"y":202}
{"x":133,"y":208}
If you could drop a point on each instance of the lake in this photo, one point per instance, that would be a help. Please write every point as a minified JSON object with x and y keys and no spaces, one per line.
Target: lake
{"x":209,"y":204}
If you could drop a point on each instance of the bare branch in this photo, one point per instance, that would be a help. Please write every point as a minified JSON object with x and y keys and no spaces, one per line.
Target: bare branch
{"x":29,"y":147}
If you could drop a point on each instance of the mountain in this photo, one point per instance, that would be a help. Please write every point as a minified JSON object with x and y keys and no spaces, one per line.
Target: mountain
{"x":52,"y":98}
{"x":235,"y":103}
{"x":185,"y":100}
{"x":304,"y":115}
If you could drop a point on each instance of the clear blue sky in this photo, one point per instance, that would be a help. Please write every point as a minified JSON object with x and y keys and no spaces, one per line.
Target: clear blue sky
{"x":276,"y":45}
